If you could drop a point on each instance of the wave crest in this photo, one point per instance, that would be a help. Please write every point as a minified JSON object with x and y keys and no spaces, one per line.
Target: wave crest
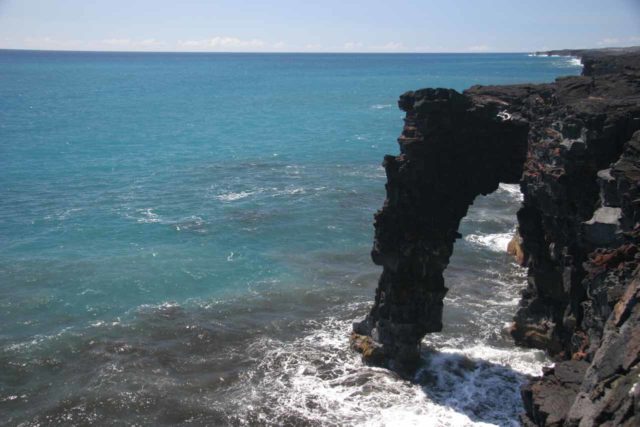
{"x":495,"y":242}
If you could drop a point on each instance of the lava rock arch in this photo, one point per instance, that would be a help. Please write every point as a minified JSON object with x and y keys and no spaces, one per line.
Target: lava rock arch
{"x":453,"y":147}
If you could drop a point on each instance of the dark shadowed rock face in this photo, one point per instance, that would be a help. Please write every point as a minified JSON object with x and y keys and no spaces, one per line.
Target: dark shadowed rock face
{"x":441,"y":168}
{"x":574,"y":146}
{"x":573,"y":200}
{"x":579,"y":225}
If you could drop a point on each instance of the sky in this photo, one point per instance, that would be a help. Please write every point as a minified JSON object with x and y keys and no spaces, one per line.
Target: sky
{"x":318,"y":26}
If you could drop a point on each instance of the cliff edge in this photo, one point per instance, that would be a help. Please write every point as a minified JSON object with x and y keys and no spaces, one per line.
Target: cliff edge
{"x":574,"y":147}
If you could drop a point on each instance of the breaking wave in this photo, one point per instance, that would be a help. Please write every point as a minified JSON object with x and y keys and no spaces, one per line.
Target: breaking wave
{"x":495,"y":242}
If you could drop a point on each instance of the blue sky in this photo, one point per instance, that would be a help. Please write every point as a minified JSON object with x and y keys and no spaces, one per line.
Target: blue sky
{"x":318,"y":26}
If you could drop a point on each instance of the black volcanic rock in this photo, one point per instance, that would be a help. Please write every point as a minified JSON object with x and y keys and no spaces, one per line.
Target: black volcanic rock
{"x":549,"y":399}
{"x":574,"y":146}
{"x":441,"y":168}
{"x":603,"y":61}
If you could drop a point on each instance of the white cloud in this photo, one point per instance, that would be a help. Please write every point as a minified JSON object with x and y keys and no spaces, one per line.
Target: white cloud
{"x":387,"y":47}
{"x":608,"y":41}
{"x":50,"y":43}
{"x":425,"y":48}
{"x":224,"y":44}
{"x":150,"y":42}
{"x":353,"y":45}
{"x":129,"y":44}
{"x":478,"y":48}
{"x":390,"y":47}
{"x":619,"y":41}
{"x":214,"y":44}
{"x":123,"y":44}
{"x":117,"y":42}
{"x":221,"y":43}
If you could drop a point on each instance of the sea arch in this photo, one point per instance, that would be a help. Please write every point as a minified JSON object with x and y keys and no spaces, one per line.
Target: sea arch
{"x":453,"y":147}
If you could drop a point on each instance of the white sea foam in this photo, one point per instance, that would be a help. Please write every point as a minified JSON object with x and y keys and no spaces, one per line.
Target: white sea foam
{"x":13,"y":397}
{"x":575,"y":62}
{"x":63,"y":214}
{"x":373,"y":172}
{"x":565,"y":61}
{"x":568,"y":61}
{"x":317,"y":379}
{"x":512,"y":190}
{"x":523,"y":361}
{"x":294,"y":170}
{"x":289,"y":191}
{"x":102,"y":323}
{"x":37,"y":340}
{"x":148,"y":216}
{"x":380,"y":106}
{"x":67,"y":213}
{"x":193,"y":223}
{"x":496,"y":242}
{"x":273,"y":192}
{"x":233,"y":196}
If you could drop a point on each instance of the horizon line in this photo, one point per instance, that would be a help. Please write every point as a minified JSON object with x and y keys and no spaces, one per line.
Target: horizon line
{"x":314,"y":52}
{"x":284,"y":52}
{"x":320,"y":52}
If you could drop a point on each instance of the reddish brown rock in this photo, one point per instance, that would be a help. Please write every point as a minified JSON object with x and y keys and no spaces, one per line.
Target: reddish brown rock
{"x":515,"y":249}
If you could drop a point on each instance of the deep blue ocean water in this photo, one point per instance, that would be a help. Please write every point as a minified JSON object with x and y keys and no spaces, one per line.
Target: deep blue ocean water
{"x":184,"y":238}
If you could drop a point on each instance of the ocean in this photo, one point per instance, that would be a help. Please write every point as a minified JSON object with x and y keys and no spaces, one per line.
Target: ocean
{"x":184,"y":240}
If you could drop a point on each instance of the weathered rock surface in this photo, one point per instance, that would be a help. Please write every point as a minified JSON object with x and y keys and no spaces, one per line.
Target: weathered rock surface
{"x":579,"y":228}
{"x":548,"y":400}
{"x":574,"y":146}
{"x":441,"y":168}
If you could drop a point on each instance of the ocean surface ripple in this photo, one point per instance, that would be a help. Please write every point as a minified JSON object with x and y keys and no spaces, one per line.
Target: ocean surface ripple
{"x":184,"y":240}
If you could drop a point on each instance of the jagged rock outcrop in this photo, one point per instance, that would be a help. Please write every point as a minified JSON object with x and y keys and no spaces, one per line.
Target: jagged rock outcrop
{"x":579,"y":228}
{"x":441,"y":169}
{"x":600,"y":324}
{"x":574,"y":146}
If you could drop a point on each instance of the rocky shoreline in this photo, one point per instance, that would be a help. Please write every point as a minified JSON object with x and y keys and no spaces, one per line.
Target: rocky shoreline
{"x":574,"y":147}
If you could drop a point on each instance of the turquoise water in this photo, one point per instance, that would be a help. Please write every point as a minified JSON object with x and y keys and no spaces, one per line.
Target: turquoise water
{"x":142,"y":194}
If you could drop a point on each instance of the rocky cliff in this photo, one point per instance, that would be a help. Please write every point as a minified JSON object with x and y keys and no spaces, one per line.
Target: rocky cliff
{"x":574,"y":147}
